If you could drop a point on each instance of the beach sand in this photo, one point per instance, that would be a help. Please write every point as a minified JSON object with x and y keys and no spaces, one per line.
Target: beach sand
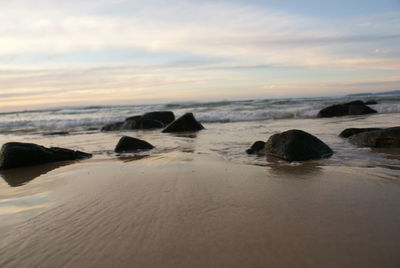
{"x":186,"y":209}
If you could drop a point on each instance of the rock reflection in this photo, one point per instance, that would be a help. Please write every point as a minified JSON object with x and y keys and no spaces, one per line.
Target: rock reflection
{"x":130,"y":157}
{"x":21,"y":176}
{"x":306,"y":169}
{"x":189,"y":135}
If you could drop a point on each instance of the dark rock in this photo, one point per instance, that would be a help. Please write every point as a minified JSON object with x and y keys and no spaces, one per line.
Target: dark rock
{"x":296,"y":145}
{"x":127,"y":144}
{"x":185,"y":123}
{"x":383,"y":138}
{"x":112,"y":126}
{"x":353,"y":131}
{"x":152,"y":120}
{"x":139,"y":122}
{"x":350,"y":108}
{"x":17,"y":154}
{"x":165,"y":117}
{"x":256,"y":147}
{"x":56,"y":133}
{"x":371,"y":102}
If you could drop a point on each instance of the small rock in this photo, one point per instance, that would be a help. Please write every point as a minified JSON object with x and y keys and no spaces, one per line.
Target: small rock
{"x":296,"y":145}
{"x":128,"y":144}
{"x":18,"y":154}
{"x":185,"y":123}
{"x":256,"y":147}
{"x":348,"y":132}
{"x":383,"y":138}
{"x":56,"y":133}
{"x":350,"y":108}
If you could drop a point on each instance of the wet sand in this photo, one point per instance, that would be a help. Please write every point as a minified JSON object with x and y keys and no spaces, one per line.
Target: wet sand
{"x":185,"y":209}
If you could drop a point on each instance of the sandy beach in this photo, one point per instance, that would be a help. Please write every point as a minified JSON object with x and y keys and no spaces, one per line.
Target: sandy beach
{"x":190,"y":210}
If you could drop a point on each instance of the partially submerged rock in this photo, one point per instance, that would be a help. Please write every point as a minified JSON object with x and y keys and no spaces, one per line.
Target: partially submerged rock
{"x":129,"y":144}
{"x":185,"y":123}
{"x":18,"y":154}
{"x":152,"y":120}
{"x":296,"y":145}
{"x":350,"y":108}
{"x":165,"y":117}
{"x":383,"y":138}
{"x":348,"y":132}
{"x":256,"y":147}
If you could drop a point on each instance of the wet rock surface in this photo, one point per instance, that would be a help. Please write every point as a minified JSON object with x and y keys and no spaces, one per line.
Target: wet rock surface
{"x":18,"y":154}
{"x":296,"y":145}
{"x":185,"y":123}
{"x":348,"y":132}
{"x":382,"y":138}
{"x":130,"y":144}
{"x":350,"y":108}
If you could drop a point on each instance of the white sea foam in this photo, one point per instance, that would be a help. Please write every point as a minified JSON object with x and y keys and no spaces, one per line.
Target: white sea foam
{"x":70,"y":119}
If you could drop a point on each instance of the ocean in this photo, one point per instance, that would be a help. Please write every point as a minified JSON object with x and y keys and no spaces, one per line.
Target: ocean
{"x":231,"y":128}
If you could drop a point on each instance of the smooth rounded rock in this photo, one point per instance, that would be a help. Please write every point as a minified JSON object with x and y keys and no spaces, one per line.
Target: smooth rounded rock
{"x":256,"y":147}
{"x":348,"y":132}
{"x":296,"y":145}
{"x":18,"y":154}
{"x":383,"y":138}
{"x":350,"y":108}
{"x":129,"y":144}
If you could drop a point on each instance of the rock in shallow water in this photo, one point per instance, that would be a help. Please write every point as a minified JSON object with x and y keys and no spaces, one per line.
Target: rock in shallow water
{"x":348,"y":132}
{"x":18,"y":154}
{"x":256,"y":147}
{"x":350,"y":108}
{"x":128,"y":144}
{"x":383,"y":138}
{"x":296,"y":145}
{"x":152,"y":120}
{"x":185,"y":123}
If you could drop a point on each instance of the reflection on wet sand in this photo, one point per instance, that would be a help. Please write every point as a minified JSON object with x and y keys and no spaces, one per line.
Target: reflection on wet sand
{"x":184,"y":135}
{"x":21,"y":176}
{"x":131,"y":157}
{"x":304,"y":169}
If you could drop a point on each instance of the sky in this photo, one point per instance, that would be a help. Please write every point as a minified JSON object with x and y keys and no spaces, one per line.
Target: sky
{"x":109,"y":52}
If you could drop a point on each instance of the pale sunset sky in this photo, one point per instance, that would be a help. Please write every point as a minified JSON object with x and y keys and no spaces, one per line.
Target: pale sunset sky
{"x":107,"y":52}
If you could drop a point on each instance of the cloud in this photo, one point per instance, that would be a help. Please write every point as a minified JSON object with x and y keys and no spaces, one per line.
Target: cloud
{"x":220,"y":30}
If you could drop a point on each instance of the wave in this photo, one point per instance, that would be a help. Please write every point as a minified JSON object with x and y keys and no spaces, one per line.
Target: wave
{"x":71,"y":119}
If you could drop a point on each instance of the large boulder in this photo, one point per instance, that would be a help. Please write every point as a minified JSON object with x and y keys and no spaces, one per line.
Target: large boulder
{"x":348,"y":132}
{"x":165,"y":117}
{"x":18,"y":154}
{"x":296,"y":145}
{"x":383,"y":138}
{"x":185,"y":123}
{"x":139,"y":122}
{"x":350,"y":108}
{"x":152,"y":120}
{"x":129,"y":144}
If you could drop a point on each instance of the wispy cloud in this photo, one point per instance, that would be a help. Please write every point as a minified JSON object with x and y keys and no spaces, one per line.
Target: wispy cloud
{"x":214,"y":30}
{"x":225,"y":49}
